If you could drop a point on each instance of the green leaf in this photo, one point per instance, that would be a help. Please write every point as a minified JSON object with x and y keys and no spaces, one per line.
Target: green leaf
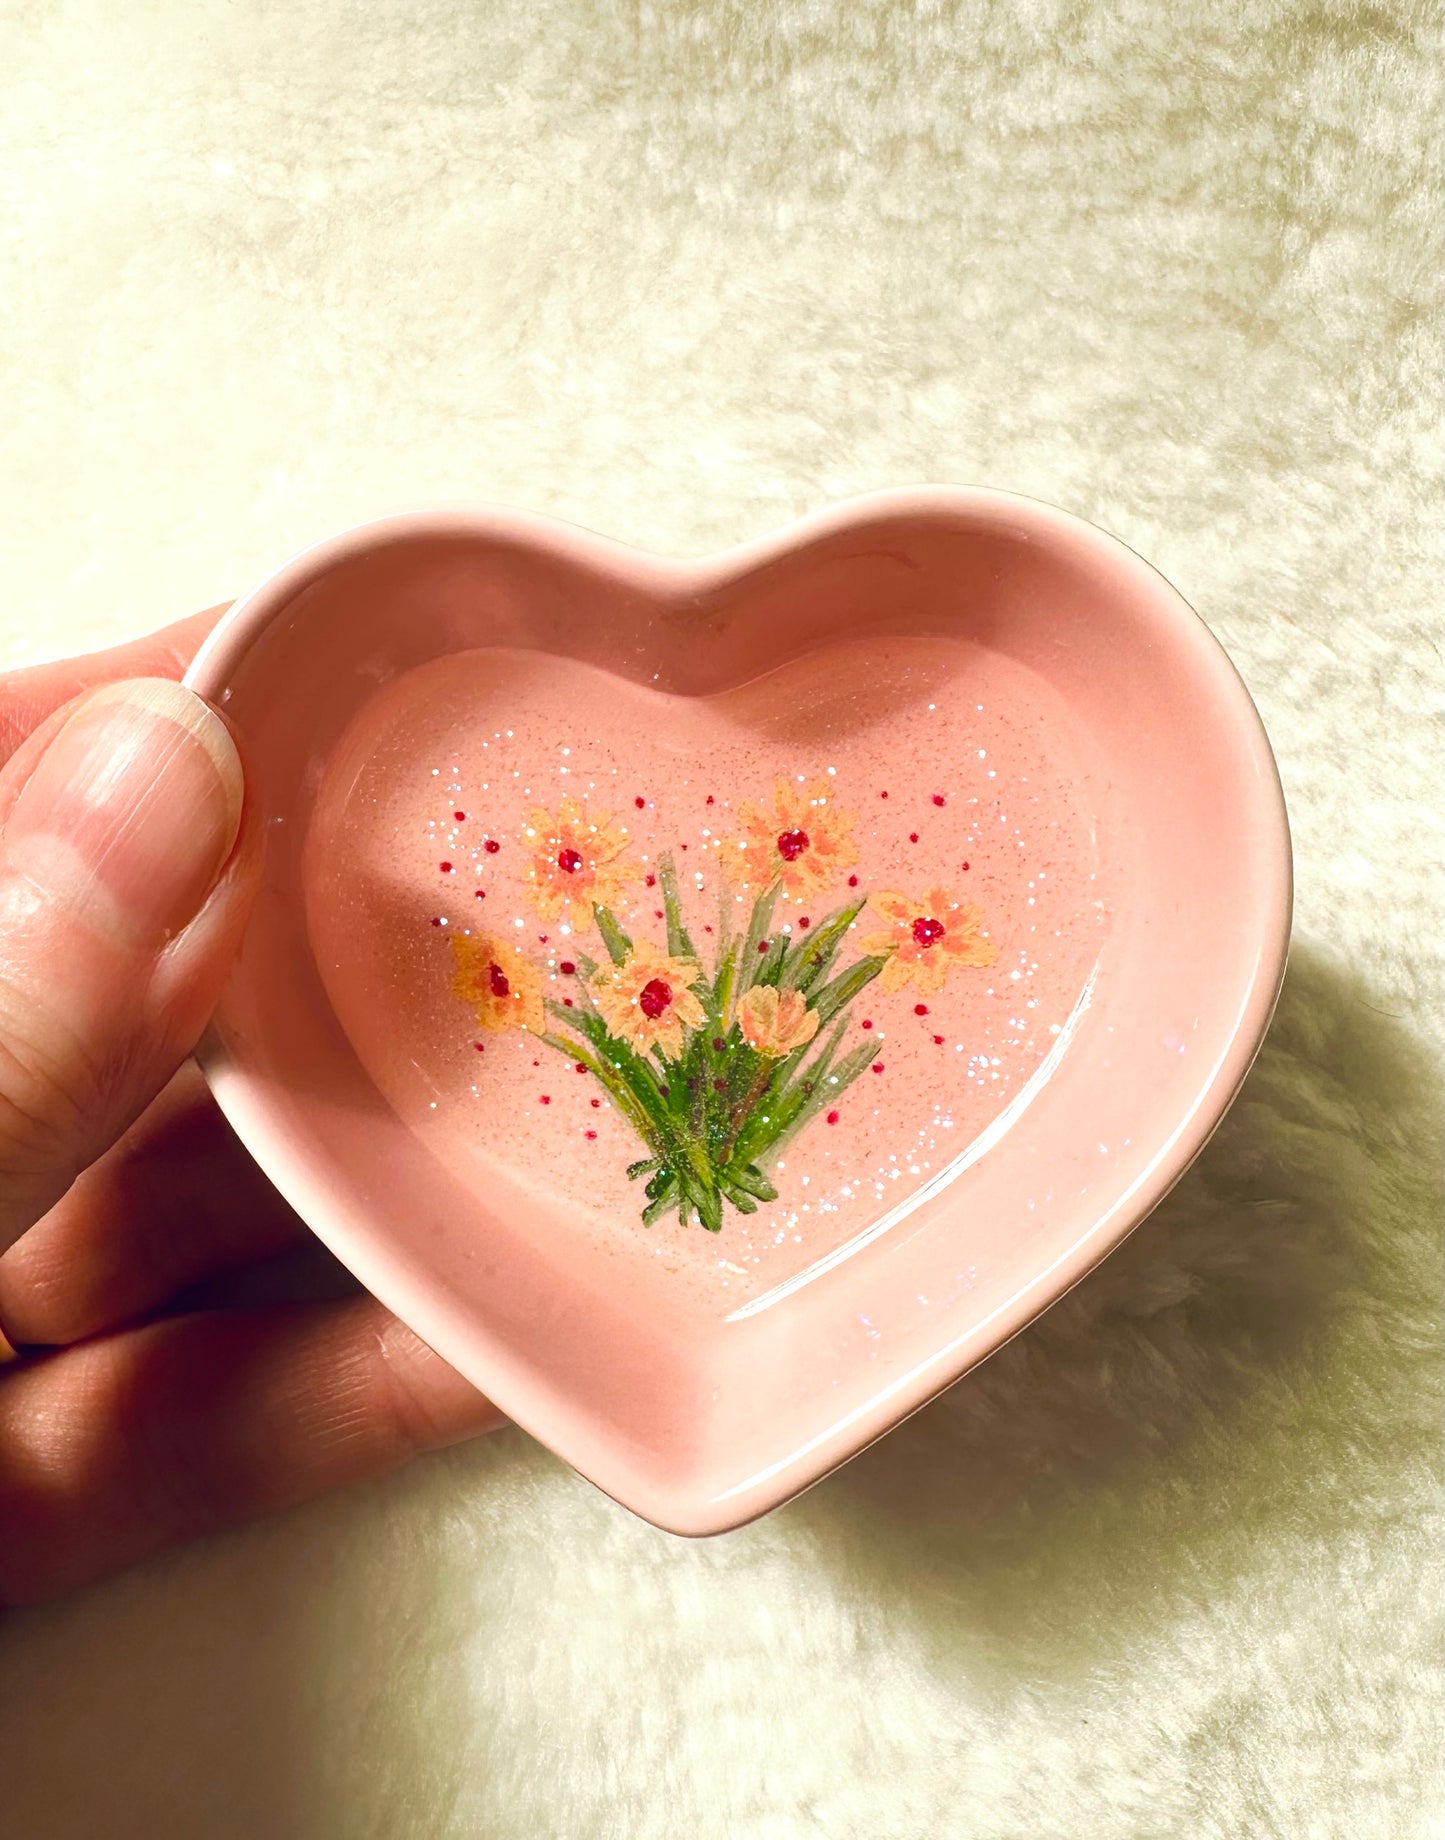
{"x":752,"y":1180}
{"x":832,"y":1088}
{"x":617,"y":942}
{"x":679,"y":944}
{"x":659,"y":1205}
{"x":841,"y":991}
{"x":626,"y":1076}
{"x":780,"y":1105}
{"x":810,"y":958}
{"x":770,"y":964}
{"x":725,"y":904}
{"x":708,"y":1202}
{"x":722,"y":989}
{"x":758,"y":924}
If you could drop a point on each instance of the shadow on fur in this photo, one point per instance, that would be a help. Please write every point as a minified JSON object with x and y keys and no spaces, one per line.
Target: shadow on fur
{"x":1235,"y":1350}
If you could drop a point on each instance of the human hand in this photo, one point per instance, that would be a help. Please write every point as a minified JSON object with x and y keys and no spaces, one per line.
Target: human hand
{"x":149,"y":1400}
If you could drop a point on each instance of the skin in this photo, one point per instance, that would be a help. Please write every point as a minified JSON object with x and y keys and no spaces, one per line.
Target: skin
{"x":181,"y":1355}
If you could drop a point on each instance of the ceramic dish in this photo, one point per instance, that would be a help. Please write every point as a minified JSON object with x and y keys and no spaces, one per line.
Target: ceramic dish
{"x":717,"y":1003}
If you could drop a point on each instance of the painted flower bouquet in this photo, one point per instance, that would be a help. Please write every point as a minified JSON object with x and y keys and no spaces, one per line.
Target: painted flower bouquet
{"x":715,"y":1069}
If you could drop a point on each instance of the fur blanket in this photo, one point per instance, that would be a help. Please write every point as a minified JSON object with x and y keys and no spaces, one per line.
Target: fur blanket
{"x":1169,"y":1564}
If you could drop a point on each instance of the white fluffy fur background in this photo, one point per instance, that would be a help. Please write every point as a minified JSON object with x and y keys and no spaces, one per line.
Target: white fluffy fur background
{"x":1169,"y":1564}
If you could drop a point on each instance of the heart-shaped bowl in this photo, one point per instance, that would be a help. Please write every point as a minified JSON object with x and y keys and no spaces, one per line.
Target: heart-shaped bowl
{"x":717,"y":1003}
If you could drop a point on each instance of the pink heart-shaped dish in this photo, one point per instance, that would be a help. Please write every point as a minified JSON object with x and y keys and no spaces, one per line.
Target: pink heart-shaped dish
{"x":716,"y":1004}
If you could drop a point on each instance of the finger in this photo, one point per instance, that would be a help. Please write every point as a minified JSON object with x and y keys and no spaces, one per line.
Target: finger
{"x":121,"y":902}
{"x":35,"y":703}
{"x":127,"y":1444}
{"x":29,"y":696}
{"x":175,"y":1203}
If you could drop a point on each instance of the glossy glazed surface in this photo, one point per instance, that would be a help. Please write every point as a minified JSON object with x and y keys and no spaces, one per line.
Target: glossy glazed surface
{"x":426,"y":832}
{"x":1034,"y":702}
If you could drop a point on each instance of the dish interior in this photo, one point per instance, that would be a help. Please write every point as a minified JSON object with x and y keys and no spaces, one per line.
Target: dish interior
{"x":479,"y":809}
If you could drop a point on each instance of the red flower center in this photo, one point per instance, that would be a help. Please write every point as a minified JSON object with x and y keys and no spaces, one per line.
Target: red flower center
{"x":497,"y":981}
{"x":792,"y":844}
{"x":928,"y":932}
{"x":570,"y":860}
{"x":654,"y":998}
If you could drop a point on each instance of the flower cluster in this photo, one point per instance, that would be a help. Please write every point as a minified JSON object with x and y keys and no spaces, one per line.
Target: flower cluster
{"x":714,"y":1070}
{"x":799,"y":842}
{"x":926,"y":938}
{"x":576,"y":862}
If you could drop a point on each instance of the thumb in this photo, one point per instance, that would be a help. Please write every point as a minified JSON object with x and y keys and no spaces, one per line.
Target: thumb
{"x":115,"y":824}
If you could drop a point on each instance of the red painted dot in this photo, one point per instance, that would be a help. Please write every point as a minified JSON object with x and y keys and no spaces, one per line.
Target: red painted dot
{"x":652,"y":881}
{"x":640,"y":803}
{"x":460,"y":816}
{"x":718,"y":1044}
{"x":567,"y":1003}
{"x":883,"y":795}
{"x":445,"y":868}
{"x":965,"y":868}
{"x":581,"y":1066}
{"x":567,"y":968}
{"x":491,"y":846}
{"x":481,"y":894}
{"x":591,"y":1133}
{"x":541,"y":938}
{"x":665,"y":1091}
{"x":709,"y":798}
{"x":927,"y":931}
{"x":938,"y":1041}
{"x":852,"y":881}
{"x":654,"y":998}
{"x":804,"y":922}
{"x":707,"y":929}
{"x":920,"y":1009}
{"x":546,"y":1098}
{"x":480,"y":1046}
{"x":569,"y":861}
{"x":719,"y":1085}
{"x":877,"y":1066}
{"x":436,"y":920}
{"x":867,"y":1022}
{"x":497,"y":980}
{"x":913,"y":836}
{"x":684,"y":846}
{"x":832,"y":1118}
{"x":791,"y":845}
{"x":595,"y":1104}
{"x":657,"y":913}
{"x":762,"y":945}
{"x":939,"y":799}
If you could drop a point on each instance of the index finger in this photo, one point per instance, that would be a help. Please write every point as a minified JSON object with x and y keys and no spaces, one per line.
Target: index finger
{"x":29,"y":697}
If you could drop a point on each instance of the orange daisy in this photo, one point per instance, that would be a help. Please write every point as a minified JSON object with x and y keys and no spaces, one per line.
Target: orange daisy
{"x":502,"y":987}
{"x":798,"y":837}
{"x":775,"y":1022}
{"x":577,"y":861}
{"x":647,"y":1002}
{"x":926,"y":937}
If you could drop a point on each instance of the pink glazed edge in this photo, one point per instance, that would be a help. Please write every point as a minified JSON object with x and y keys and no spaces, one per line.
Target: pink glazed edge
{"x":680,"y":1512}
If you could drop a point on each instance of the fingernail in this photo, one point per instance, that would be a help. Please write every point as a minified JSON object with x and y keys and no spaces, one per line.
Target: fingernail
{"x":132,"y":810}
